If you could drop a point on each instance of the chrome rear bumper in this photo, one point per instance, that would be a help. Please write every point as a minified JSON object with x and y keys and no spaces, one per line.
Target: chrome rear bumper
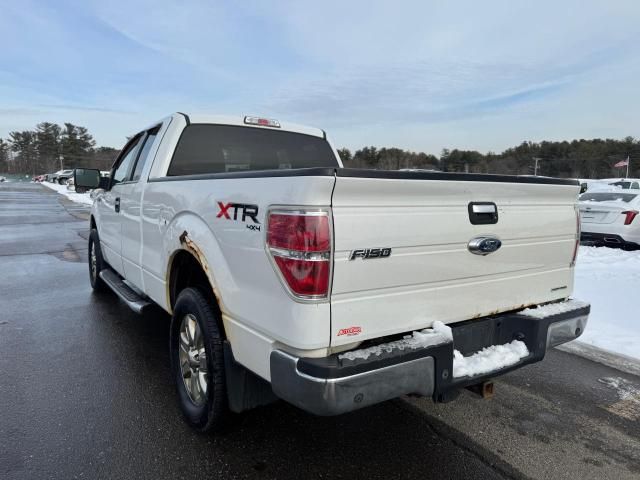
{"x":331,"y":386}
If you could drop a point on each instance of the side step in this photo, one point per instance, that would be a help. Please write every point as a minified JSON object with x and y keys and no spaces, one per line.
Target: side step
{"x":134,"y":301}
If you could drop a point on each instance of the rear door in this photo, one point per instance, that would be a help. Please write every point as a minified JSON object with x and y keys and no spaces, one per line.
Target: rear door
{"x":403,"y":249}
{"x":110,"y":203}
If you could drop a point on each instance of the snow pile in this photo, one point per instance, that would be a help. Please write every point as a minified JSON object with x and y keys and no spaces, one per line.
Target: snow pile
{"x":73,"y":196}
{"x":624,"y":388}
{"x":609,"y":279}
{"x":488,"y":359}
{"x":437,"y":335}
{"x":553,"y":309}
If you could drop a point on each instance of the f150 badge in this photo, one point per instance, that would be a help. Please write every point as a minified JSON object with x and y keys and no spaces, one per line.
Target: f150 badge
{"x":368,"y":253}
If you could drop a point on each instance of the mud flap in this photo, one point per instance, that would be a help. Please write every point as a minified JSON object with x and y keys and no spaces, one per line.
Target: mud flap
{"x":245,"y":390}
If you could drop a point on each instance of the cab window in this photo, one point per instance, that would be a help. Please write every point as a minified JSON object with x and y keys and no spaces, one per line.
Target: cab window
{"x":125,"y":161}
{"x":143,"y":158}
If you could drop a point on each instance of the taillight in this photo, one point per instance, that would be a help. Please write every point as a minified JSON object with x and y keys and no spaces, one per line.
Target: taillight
{"x":578,"y":233}
{"x":630,"y":215}
{"x":300,"y":244}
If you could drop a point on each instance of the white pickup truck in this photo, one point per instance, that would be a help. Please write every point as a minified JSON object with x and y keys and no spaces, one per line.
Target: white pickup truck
{"x":288,"y":276}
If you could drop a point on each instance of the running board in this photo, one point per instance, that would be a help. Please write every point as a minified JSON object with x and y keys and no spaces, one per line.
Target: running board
{"x":134,"y":301}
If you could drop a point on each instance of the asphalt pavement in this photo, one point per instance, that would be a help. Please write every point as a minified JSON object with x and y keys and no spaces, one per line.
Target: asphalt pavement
{"x":85,"y":392}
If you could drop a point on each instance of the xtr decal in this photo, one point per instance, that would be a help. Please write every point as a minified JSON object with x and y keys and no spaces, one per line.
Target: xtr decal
{"x":247,"y":211}
{"x":368,"y":253}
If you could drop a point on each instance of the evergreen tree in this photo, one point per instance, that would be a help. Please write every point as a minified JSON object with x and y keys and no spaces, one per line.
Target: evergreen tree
{"x":4,"y":156}
{"x":48,"y":146}
{"x":77,"y":146}
{"x":345,"y":156}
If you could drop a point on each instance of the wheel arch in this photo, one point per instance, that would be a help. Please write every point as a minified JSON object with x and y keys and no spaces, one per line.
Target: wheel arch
{"x":187,"y":269}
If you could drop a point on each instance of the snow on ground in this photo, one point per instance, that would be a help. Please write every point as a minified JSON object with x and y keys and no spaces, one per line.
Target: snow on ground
{"x":609,"y":279}
{"x":71,"y":195}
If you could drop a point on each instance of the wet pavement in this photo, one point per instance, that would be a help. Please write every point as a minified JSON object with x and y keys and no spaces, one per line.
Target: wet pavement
{"x":85,"y":392}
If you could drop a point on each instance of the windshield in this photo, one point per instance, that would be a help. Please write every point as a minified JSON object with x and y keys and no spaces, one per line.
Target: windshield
{"x":608,"y":197}
{"x":207,"y":148}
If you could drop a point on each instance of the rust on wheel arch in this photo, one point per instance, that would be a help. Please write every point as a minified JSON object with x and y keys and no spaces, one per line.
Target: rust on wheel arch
{"x":189,"y":245}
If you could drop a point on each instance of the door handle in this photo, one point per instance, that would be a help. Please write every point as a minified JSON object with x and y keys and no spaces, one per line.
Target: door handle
{"x":117,"y":205}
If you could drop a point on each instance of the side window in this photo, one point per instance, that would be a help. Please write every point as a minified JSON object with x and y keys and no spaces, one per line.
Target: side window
{"x":634,"y":185}
{"x":125,"y":161}
{"x":144,"y":154}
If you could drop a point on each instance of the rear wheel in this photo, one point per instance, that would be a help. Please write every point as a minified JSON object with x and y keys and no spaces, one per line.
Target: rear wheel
{"x":96,"y":262}
{"x":197,"y":360}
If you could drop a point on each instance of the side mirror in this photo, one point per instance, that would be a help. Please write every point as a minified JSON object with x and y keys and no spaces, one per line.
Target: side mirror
{"x":86,"y":178}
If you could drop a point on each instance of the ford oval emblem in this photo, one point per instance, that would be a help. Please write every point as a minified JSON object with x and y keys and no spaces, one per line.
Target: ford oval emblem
{"x":484,"y":245}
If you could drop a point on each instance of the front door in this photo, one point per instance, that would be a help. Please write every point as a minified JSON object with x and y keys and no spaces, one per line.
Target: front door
{"x":130,"y":211}
{"x":109,"y":206}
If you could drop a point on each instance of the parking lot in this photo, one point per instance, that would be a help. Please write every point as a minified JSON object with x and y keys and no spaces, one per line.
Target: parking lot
{"x":86,"y":393}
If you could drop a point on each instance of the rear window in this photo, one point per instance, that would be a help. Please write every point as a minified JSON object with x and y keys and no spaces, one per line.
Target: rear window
{"x":625,"y":185}
{"x":607,"y":197}
{"x":205,"y":148}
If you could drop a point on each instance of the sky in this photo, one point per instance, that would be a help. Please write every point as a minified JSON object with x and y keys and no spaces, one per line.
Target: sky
{"x":420,"y":75}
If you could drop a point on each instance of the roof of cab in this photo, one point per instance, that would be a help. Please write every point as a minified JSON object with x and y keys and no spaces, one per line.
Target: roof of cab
{"x":239,"y":121}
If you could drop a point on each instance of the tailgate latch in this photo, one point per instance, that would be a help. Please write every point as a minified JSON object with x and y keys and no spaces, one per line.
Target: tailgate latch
{"x":483,"y":213}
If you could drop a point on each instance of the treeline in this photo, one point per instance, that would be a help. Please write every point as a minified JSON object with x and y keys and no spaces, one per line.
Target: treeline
{"x":576,"y":159}
{"x":51,"y":147}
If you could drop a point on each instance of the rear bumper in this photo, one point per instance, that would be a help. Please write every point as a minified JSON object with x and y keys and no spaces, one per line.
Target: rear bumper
{"x":607,"y":239}
{"x":331,"y":386}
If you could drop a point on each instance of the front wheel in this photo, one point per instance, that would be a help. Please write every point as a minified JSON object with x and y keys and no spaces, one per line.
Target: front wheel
{"x":96,"y":262}
{"x":197,"y":361}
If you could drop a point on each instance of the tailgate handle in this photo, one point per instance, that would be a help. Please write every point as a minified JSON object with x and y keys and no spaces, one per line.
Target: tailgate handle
{"x":483,"y":213}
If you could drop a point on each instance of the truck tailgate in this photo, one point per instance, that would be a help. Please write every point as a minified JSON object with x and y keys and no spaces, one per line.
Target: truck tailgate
{"x":430,"y":274}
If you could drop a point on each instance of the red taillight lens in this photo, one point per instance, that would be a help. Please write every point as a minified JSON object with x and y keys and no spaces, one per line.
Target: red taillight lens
{"x":303,"y":233}
{"x":304,"y":277}
{"x":300,"y":244}
{"x":630,"y":215}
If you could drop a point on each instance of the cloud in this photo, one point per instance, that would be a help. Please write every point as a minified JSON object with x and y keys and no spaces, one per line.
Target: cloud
{"x":415,"y":73}
{"x":70,"y":108}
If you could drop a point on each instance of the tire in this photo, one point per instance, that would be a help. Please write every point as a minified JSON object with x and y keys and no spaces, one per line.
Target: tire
{"x":61,"y":181}
{"x":96,"y":265}
{"x":208,"y":409}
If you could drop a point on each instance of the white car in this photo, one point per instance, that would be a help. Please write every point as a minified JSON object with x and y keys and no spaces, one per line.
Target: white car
{"x":623,"y":183}
{"x":609,"y":218}
{"x":61,"y":176}
{"x":288,"y":276}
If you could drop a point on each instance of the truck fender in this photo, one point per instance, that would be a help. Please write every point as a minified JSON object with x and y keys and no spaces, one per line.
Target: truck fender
{"x":188,"y":232}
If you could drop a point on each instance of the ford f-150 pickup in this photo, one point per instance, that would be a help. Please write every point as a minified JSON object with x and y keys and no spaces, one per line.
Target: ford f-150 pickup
{"x":290,"y":277}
